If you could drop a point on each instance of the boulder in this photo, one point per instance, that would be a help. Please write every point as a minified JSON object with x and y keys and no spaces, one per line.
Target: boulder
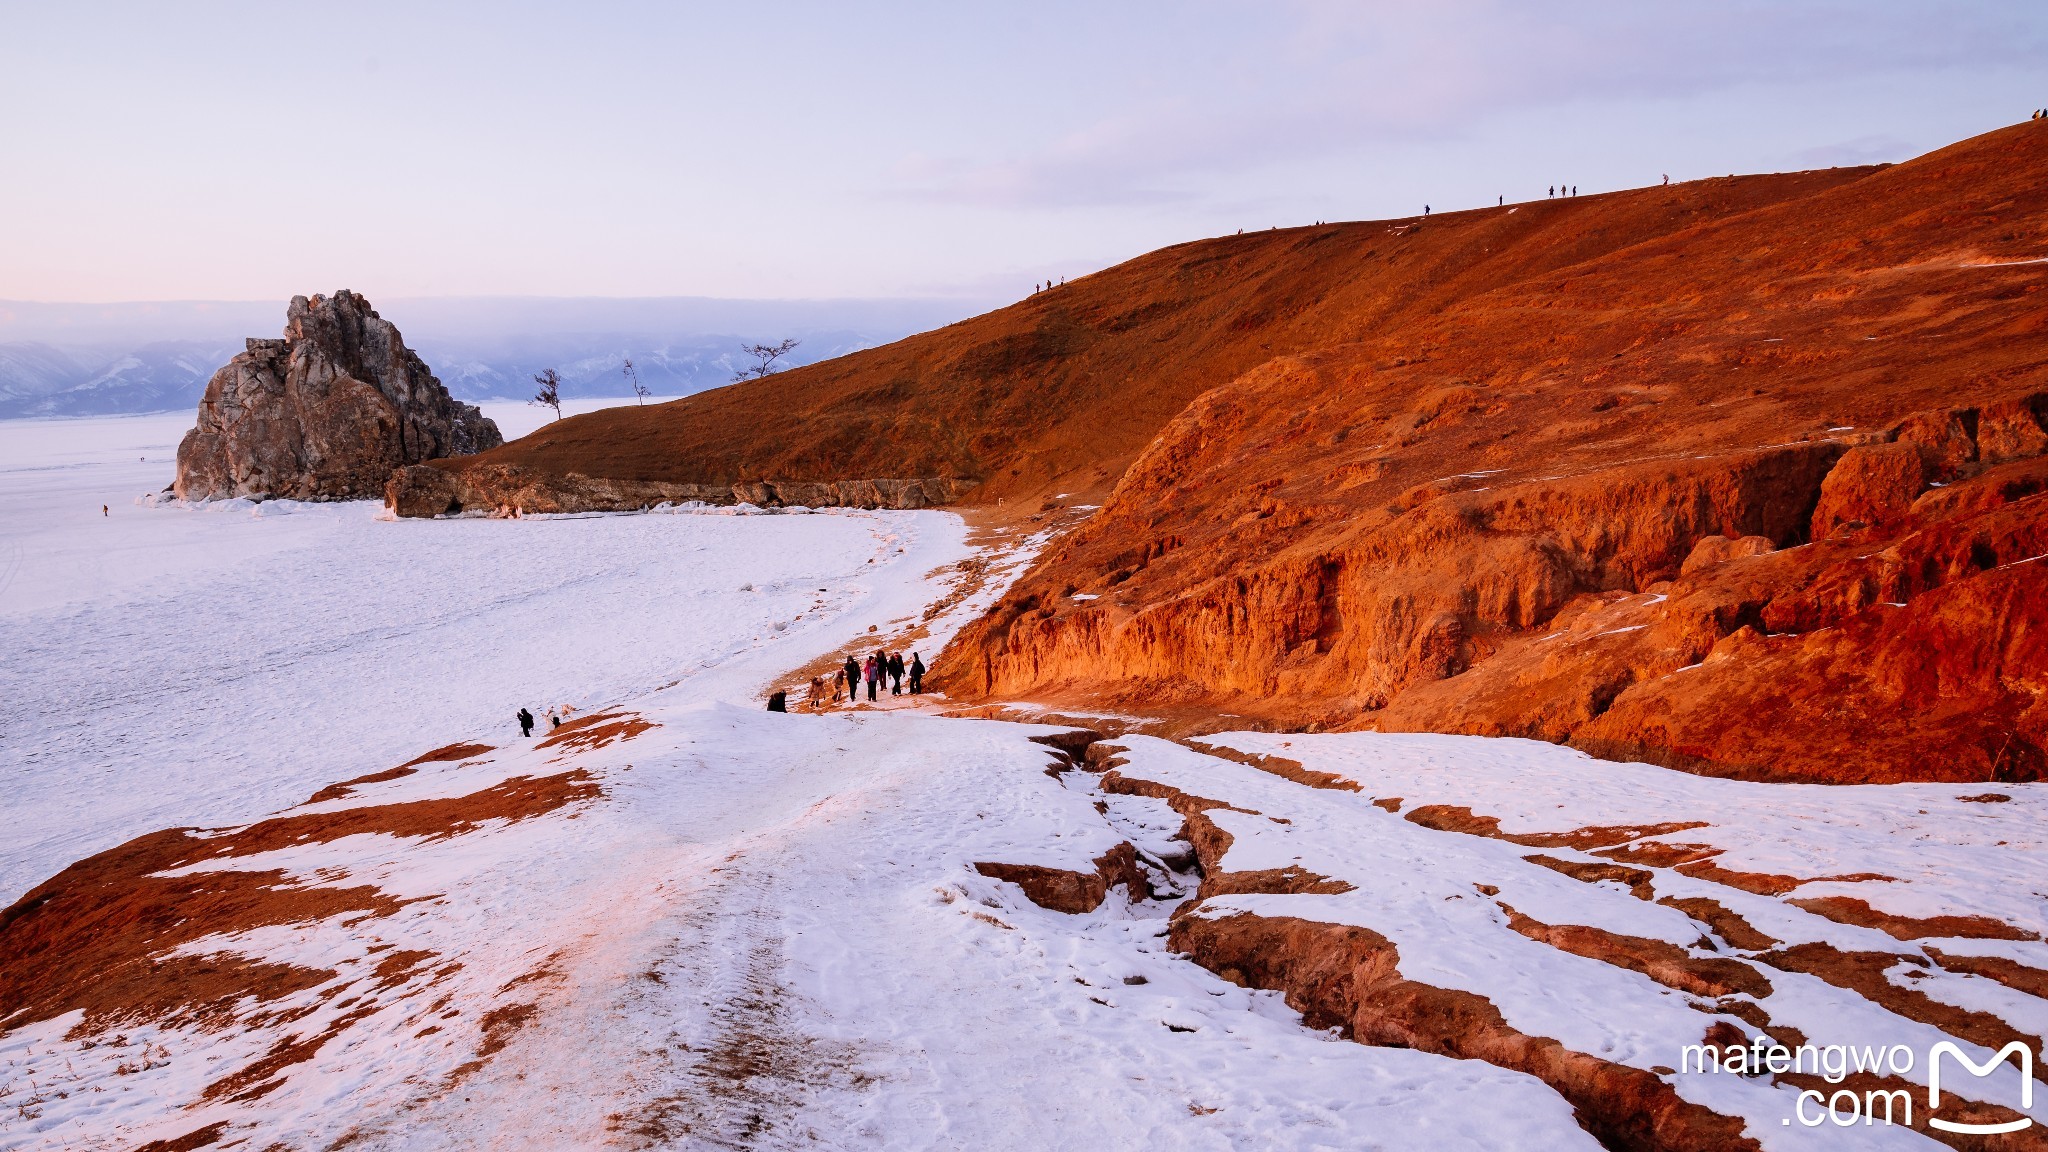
{"x":2013,"y":429}
{"x":1875,"y":484}
{"x":326,"y":413}
{"x":1712,"y":550}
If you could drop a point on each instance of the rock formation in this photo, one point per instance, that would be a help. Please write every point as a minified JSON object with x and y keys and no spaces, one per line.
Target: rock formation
{"x":326,"y":413}
{"x":1739,"y":475}
{"x":508,"y":489}
{"x":1742,"y":500}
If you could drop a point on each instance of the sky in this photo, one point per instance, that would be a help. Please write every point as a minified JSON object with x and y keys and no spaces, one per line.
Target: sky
{"x":217,"y":151}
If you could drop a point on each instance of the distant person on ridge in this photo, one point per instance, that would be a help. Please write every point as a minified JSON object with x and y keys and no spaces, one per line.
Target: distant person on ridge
{"x":525,"y":722}
{"x":1425,"y":209}
{"x":916,"y":674}
{"x":1575,"y":189}
{"x":103,"y":510}
{"x":1550,"y":192}
{"x":895,"y":673}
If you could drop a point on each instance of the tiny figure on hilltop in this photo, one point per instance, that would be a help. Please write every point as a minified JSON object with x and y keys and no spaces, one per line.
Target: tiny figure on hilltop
{"x":525,"y":722}
{"x":1575,"y":189}
{"x":1425,"y":209}
{"x":103,"y":510}
{"x":916,"y":674}
{"x":1667,"y":177}
{"x":1550,"y":192}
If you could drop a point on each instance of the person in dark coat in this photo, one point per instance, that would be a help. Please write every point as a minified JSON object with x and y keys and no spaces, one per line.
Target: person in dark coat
{"x":778,"y":701}
{"x":895,"y":673}
{"x":525,"y":722}
{"x":873,"y":671}
{"x":916,"y":674}
{"x":852,"y":671}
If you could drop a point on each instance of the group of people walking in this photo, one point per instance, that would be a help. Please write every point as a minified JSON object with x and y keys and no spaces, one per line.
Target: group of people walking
{"x":877,"y":669}
{"x":554,"y":715}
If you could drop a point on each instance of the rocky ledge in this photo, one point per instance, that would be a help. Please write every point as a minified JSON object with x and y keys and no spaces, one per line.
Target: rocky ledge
{"x":423,"y":490}
{"x":325,"y":413}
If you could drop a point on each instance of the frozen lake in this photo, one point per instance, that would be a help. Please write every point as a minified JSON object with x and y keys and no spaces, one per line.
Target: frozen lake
{"x":172,"y":666}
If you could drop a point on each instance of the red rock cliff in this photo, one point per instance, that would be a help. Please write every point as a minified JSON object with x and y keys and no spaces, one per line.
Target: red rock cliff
{"x":1758,"y":495}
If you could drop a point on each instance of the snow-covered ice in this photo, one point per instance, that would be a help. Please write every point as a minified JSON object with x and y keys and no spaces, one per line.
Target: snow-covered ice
{"x":173,"y":666}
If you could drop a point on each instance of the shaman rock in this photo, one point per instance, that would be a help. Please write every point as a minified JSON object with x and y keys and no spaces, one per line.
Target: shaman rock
{"x":326,"y":413}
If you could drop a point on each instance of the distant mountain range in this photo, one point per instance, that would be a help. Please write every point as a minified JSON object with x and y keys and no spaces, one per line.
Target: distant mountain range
{"x":107,"y":359}
{"x":44,"y":380}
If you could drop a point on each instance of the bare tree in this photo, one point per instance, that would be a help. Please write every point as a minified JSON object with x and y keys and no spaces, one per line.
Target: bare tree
{"x":765,"y":356}
{"x":633,"y":378}
{"x":550,"y":394}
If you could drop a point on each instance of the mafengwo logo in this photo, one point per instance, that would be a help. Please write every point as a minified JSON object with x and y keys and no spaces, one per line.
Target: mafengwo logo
{"x":1844,"y":1107}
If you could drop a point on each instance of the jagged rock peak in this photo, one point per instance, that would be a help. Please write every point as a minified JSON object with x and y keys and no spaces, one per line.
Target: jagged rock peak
{"x":326,"y":413}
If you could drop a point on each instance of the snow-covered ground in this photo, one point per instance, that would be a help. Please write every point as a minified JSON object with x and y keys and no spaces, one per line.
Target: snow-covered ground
{"x":1446,"y":897}
{"x":171,"y":666}
{"x":692,"y":923}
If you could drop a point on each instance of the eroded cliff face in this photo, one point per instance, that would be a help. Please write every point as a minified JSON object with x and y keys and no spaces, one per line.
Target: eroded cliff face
{"x":1761,"y":498}
{"x":325,"y":413}
{"x":512,"y":490}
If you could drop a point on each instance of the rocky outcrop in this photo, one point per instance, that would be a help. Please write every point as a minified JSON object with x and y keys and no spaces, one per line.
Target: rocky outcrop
{"x":512,"y":489}
{"x":1812,"y":611}
{"x":1065,"y":890}
{"x":1738,"y":499}
{"x":325,"y":413}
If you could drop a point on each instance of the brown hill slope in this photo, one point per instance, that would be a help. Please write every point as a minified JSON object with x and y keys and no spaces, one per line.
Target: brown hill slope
{"x":1060,"y":391}
{"x":1761,"y":494}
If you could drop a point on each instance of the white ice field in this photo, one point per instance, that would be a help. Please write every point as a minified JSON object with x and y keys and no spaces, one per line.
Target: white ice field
{"x":172,"y":666}
{"x":767,"y":931}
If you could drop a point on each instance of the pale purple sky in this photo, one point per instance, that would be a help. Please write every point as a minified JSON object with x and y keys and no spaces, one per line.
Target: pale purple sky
{"x":224,"y":151}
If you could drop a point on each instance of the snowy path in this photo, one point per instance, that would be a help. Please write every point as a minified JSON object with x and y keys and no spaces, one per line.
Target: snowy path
{"x":686,"y":922}
{"x":767,"y":933}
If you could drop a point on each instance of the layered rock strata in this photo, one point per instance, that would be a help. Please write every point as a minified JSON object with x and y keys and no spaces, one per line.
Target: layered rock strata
{"x":1818,"y":611}
{"x":510,"y":489}
{"x":325,"y":413}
